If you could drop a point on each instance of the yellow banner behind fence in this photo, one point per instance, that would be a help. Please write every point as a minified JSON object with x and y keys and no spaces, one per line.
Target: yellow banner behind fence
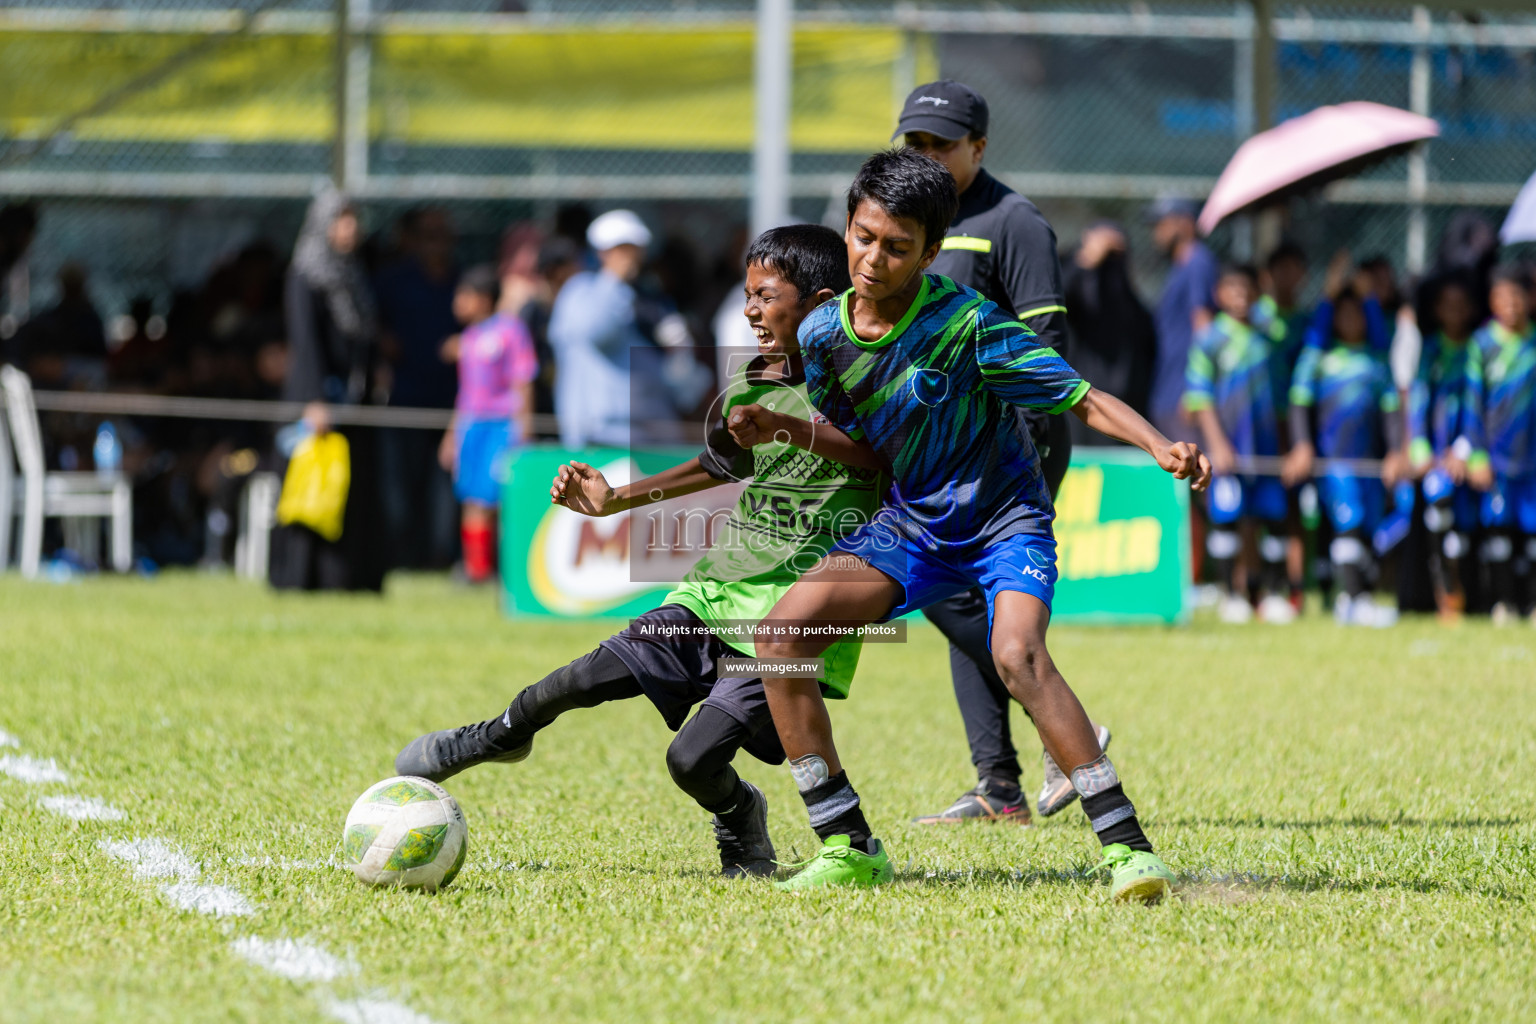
{"x":612,"y":88}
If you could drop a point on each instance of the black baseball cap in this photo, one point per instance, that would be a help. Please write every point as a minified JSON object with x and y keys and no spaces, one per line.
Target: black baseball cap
{"x":947,"y":109}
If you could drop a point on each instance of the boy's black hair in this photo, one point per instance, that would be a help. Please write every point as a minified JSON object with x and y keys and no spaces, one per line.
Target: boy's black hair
{"x":1510,"y":273}
{"x":1286,"y":250}
{"x":1241,"y":270}
{"x":809,"y":256}
{"x":908,"y":185}
{"x":1348,"y":294}
{"x":482,"y":278}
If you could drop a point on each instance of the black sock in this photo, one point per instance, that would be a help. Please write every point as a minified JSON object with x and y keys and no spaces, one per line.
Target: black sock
{"x":514,"y":726}
{"x":1003,"y":787}
{"x":1114,"y":819}
{"x":739,"y":802}
{"x":835,"y":811}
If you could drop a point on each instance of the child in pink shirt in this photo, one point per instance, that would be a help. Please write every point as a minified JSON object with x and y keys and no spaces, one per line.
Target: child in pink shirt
{"x":497,"y":366}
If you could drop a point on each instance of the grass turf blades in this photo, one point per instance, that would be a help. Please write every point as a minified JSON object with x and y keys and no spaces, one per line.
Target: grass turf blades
{"x":1349,"y":814}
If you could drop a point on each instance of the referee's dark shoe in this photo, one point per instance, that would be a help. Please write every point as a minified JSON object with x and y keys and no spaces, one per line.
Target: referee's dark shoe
{"x":443,"y":754}
{"x":742,"y":835}
{"x":984,"y":803}
{"x":1057,"y":792}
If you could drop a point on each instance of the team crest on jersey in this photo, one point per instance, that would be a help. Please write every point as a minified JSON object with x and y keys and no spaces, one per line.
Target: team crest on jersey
{"x":930,"y":387}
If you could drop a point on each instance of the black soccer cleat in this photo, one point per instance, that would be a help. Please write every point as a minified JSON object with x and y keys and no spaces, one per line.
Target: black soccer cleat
{"x":443,"y":754}
{"x":745,"y":849}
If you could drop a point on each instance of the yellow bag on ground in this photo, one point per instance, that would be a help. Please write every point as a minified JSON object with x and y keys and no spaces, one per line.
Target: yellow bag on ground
{"x":315,"y":487}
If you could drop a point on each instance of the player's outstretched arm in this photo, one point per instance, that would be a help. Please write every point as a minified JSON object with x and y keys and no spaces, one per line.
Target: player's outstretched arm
{"x":753,"y":425}
{"x":583,"y":488}
{"x":1113,"y":418}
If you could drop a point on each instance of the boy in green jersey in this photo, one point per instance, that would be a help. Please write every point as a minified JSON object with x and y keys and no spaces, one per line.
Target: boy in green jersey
{"x":809,"y":487}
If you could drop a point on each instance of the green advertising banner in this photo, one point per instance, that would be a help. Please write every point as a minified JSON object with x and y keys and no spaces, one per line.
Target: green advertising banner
{"x":1122,"y":533}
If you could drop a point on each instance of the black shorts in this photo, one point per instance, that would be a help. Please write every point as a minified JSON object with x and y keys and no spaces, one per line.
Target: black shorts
{"x":678,"y":674}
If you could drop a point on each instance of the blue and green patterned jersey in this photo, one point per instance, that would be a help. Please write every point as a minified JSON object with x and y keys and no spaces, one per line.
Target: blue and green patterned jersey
{"x":1229,"y":370}
{"x":1287,"y":333}
{"x":932,"y":397}
{"x":1499,"y":418}
{"x":1435,"y":399}
{"x":1350,"y":389}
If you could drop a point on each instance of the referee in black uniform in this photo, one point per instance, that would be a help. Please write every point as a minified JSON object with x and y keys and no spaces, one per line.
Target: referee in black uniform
{"x":1000,"y":245}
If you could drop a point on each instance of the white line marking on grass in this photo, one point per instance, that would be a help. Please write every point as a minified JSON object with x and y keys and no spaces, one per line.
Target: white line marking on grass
{"x":294,"y":959}
{"x":216,"y":900}
{"x":33,"y":770}
{"x":152,"y":858}
{"x":375,"y":1011}
{"x":7,"y":740}
{"x":81,"y":808}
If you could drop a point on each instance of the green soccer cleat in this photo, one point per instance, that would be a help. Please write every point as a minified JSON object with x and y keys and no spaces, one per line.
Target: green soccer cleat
{"x":838,"y":863}
{"x":1135,"y":875}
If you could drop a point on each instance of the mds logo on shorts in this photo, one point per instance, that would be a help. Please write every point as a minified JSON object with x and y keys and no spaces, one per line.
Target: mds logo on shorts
{"x":1044,"y":563}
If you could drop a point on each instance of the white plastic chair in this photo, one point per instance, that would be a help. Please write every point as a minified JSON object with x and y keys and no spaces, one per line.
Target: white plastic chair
{"x":45,"y":495}
{"x":258,"y":514}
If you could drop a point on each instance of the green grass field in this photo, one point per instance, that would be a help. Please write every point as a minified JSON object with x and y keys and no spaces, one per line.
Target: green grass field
{"x":1353,"y":815}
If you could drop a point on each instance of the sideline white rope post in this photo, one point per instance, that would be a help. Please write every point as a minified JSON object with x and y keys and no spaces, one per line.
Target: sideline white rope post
{"x":773,"y":60}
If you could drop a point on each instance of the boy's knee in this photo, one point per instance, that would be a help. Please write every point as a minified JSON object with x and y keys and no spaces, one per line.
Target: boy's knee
{"x":1021,"y":661}
{"x":685,"y":761}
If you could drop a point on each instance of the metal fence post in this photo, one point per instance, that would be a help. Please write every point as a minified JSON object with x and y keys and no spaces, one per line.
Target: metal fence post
{"x":353,"y":56}
{"x":1242,"y":112}
{"x":772,"y":68}
{"x":1418,"y":159}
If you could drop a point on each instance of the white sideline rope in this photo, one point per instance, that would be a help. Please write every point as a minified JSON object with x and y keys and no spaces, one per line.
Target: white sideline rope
{"x":1269,"y":465}
{"x":122,"y":404}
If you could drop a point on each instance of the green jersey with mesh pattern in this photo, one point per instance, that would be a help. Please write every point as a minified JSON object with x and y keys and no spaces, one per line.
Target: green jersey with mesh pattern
{"x":794,"y":508}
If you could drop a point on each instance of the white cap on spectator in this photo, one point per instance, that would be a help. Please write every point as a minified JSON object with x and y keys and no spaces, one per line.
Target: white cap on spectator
{"x":618,"y":227}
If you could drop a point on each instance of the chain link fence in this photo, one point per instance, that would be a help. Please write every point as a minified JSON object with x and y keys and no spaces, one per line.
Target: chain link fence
{"x":162,"y":135}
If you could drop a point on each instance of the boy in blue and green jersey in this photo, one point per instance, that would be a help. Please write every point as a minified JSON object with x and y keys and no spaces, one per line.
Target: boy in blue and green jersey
{"x":1434,"y":422}
{"x":807,"y":488}
{"x":925,"y":371}
{"x":1347,"y":387}
{"x":1279,"y":313}
{"x":1229,"y":388}
{"x":1499,"y":427}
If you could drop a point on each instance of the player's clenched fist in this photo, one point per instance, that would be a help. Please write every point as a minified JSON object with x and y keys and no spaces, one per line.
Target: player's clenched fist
{"x":581,"y":488}
{"x":753,"y":425}
{"x":1186,"y":461}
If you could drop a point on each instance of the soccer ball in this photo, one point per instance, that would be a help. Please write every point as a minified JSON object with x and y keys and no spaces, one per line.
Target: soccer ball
{"x":405,"y":832}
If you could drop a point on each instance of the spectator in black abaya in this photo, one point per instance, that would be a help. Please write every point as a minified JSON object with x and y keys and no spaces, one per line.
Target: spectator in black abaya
{"x":332,"y":335}
{"x":1114,"y":343}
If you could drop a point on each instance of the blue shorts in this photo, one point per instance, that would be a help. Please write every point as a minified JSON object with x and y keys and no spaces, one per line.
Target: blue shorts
{"x":482,"y":468}
{"x":1352,"y":502}
{"x":1024,"y":562}
{"x":1439,"y":487}
{"x":1247,"y":497}
{"x":1511,"y":502}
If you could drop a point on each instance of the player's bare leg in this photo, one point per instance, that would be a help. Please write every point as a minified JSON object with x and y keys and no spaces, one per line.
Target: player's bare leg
{"x":845,"y":590}
{"x":1019,"y":623}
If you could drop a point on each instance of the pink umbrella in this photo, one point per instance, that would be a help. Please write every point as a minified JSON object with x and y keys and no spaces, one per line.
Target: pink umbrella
{"x":1309,"y":151}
